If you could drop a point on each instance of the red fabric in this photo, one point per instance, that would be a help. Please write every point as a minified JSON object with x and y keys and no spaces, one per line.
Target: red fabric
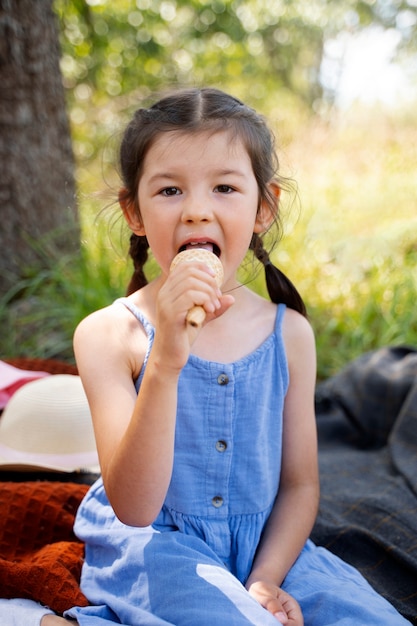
{"x":40,"y":557}
{"x":52,"y":366}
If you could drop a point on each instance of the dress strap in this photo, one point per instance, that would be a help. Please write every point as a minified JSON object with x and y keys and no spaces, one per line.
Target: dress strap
{"x":148,"y":327}
{"x":282,"y":355}
{"x":280,"y":316}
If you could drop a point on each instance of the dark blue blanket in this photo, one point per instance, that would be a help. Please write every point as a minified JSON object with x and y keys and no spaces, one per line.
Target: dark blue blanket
{"x":367,"y":426}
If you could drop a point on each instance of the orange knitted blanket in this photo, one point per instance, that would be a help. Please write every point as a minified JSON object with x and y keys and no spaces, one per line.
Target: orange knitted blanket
{"x":40,"y":557}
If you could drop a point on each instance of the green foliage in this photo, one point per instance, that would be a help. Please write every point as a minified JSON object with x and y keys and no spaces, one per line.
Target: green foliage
{"x":119,"y":47}
{"x":115,"y":54}
{"x":380,"y":311}
{"x":351,"y":248}
{"x":40,"y":313}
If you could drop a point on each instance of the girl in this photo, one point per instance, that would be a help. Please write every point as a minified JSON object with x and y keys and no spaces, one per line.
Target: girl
{"x":206,"y":435}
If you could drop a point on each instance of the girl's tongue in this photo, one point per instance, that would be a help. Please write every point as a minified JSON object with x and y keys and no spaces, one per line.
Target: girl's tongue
{"x":205,"y":245}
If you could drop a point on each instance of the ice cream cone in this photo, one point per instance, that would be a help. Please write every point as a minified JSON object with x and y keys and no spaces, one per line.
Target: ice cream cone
{"x":196,"y":315}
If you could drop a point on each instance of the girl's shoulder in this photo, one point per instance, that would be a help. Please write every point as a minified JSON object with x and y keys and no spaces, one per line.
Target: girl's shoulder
{"x":111,"y":335}
{"x":299,"y":339}
{"x":296,"y":325}
{"x":112,"y":320}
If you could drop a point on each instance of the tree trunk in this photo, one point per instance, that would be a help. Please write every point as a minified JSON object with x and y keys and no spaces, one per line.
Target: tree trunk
{"x":37,"y":186}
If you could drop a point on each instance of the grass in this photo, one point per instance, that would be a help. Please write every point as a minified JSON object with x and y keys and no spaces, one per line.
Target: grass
{"x":350,"y":246}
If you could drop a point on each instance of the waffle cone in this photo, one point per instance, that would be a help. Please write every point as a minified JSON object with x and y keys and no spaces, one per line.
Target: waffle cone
{"x":196,"y":315}
{"x":203,"y":255}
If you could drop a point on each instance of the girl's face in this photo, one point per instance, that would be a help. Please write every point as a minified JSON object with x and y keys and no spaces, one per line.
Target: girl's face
{"x":199,"y":190}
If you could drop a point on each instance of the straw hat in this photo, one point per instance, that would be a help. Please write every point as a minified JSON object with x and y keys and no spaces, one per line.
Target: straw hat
{"x":47,"y":425}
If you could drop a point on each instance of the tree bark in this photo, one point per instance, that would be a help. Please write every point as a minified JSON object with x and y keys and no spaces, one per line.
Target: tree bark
{"x":37,"y":185}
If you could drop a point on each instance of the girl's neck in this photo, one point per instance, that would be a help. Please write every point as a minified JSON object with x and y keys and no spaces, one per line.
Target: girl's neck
{"x":237,"y":333}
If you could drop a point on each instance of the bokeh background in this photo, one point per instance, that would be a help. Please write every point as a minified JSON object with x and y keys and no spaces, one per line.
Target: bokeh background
{"x":338,"y":84}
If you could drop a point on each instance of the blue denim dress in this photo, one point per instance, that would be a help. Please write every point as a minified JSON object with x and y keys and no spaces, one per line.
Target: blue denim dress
{"x":190,"y":566}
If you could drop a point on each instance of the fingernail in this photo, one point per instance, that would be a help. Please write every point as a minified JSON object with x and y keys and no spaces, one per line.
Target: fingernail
{"x":281,"y":616}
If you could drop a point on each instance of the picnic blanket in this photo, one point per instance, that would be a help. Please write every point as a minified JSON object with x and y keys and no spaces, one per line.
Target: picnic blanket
{"x":367,"y":426}
{"x":40,"y":557}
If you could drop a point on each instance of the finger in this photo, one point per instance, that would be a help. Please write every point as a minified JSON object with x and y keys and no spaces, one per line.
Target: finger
{"x":274,"y":606}
{"x":225,"y":303}
{"x":194,"y":290}
{"x":292,"y":609}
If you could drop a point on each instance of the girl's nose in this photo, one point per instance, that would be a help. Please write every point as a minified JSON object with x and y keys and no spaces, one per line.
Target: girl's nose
{"x":196,"y":210}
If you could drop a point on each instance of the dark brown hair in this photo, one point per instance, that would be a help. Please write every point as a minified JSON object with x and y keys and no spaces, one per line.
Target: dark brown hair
{"x":208,"y":109}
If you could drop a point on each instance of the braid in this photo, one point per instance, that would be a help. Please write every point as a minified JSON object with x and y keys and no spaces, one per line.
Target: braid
{"x":280,"y":288}
{"x":138,"y":250}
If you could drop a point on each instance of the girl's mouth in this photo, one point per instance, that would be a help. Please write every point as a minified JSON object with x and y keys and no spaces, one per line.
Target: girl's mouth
{"x":205,"y":245}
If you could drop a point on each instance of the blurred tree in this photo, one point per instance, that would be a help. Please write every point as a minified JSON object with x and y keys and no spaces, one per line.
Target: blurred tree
{"x":37,"y":191}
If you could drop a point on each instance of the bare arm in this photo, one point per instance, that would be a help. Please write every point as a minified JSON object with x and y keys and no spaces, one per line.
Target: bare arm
{"x":131,"y":430}
{"x":296,"y":505}
{"x":135,"y":432}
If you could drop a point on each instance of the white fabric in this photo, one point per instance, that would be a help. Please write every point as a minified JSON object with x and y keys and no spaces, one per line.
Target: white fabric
{"x":21,"y":612}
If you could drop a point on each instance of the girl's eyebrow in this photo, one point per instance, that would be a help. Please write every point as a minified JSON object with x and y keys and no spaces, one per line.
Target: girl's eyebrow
{"x":230,"y":173}
{"x":161,"y":175}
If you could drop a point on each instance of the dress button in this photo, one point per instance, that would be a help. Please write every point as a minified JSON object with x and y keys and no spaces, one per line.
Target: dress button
{"x":217,"y":501}
{"x":222,"y":379}
{"x":221,"y":446}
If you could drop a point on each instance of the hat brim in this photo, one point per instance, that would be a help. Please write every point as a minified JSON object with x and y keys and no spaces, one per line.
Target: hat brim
{"x":16,"y":461}
{"x":47,"y":426}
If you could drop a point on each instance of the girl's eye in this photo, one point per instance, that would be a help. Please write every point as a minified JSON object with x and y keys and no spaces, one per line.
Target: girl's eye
{"x":170,"y":191}
{"x":224,"y":188}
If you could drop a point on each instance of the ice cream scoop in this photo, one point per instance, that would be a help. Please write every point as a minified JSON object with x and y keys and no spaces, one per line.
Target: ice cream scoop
{"x":196,"y":315}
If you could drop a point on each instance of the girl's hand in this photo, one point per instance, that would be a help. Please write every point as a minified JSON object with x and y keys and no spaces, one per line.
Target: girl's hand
{"x":278,"y":602}
{"x":187,"y":285}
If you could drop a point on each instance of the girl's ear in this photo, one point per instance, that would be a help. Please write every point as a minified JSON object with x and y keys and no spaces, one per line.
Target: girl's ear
{"x":266,"y":213}
{"x":130,"y":213}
